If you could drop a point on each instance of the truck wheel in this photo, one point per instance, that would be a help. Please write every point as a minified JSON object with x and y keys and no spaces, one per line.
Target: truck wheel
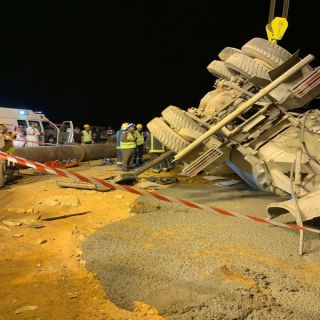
{"x":177,"y":120}
{"x":267,"y":51}
{"x":220,"y":70}
{"x":227,"y":52}
{"x":166,"y":135}
{"x":247,"y":66}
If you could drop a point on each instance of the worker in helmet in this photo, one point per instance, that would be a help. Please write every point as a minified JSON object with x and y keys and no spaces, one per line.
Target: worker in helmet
{"x":156,"y":148}
{"x":6,"y":145}
{"x":118,"y":140}
{"x":86,"y":134}
{"x":128,"y":146}
{"x":138,"y":156}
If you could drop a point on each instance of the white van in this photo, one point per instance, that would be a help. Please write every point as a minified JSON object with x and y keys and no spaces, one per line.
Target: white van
{"x":52,"y":135}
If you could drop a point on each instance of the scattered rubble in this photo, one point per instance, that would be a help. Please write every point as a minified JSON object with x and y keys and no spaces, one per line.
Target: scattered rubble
{"x":10,"y":223}
{"x":26,"y":308}
{"x":41,"y":241}
{"x":18,"y":235}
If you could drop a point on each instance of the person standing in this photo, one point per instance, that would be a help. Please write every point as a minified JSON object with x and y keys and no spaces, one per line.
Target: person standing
{"x":97,"y":137}
{"x":156,"y":148}
{"x":86,"y":134}
{"x":77,"y":134}
{"x":138,"y":156}
{"x":33,"y":135}
{"x":118,"y":141}
{"x":6,"y":145}
{"x":110,"y":134}
{"x":20,"y":139}
{"x":128,"y":146}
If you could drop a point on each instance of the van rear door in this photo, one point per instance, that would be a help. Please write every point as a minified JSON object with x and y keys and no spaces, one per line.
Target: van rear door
{"x":66,"y":133}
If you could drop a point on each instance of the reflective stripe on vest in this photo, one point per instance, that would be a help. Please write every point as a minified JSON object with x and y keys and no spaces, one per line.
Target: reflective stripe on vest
{"x":129,"y":144}
{"x":140,"y":137}
{"x":87,"y":136}
{"x":155,"y":145}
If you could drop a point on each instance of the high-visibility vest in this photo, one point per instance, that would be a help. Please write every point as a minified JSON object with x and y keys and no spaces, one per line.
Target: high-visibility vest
{"x":155,"y":145}
{"x":6,"y":143}
{"x":87,"y":136}
{"x":140,"y":137}
{"x":129,"y":144}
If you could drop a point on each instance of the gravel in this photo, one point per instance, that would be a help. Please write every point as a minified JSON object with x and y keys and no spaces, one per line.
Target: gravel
{"x":198,"y":265}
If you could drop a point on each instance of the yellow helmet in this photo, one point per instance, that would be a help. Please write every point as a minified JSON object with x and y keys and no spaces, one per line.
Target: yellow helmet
{"x":124,"y":126}
{"x":86,"y":126}
{"x":139,"y":126}
{"x":1,"y":122}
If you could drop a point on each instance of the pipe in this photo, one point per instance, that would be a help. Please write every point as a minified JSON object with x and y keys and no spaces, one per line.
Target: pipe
{"x":247,"y":104}
{"x":63,"y":152}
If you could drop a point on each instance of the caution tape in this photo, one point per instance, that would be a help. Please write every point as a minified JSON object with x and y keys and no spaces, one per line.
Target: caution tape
{"x":103,"y":183}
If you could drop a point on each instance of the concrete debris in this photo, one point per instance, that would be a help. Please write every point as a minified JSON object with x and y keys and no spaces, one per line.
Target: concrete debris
{"x":67,"y":201}
{"x":145,"y":206}
{"x":30,"y":220}
{"x":17,"y":235}
{"x":5,"y":228}
{"x":82,"y":185}
{"x":227,"y":183}
{"x":36,"y":226}
{"x":214,"y":178}
{"x":149,"y":185}
{"x":10,"y":223}
{"x":41,"y":241}
{"x":72,"y":295}
{"x":26,"y":308}
{"x":20,"y":210}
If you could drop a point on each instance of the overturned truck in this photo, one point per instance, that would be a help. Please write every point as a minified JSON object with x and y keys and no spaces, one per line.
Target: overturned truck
{"x":257,"y":123}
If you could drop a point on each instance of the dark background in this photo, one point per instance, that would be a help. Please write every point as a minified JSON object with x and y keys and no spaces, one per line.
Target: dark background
{"x":115,"y":61}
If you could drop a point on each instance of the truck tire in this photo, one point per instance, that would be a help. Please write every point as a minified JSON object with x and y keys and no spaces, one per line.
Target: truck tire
{"x":227,"y":52}
{"x":219,"y":70}
{"x":177,"y":120}
{"x":247,"y":66}
{"x":267,"y":51}
{"x":166,"y":135}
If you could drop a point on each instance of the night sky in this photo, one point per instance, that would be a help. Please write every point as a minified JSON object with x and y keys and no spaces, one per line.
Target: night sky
{"x":108,"y":62}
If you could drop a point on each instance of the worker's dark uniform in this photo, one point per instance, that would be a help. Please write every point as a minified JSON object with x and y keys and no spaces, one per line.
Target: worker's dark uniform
{"x":138,"y":156}
{"x":156,"y":148}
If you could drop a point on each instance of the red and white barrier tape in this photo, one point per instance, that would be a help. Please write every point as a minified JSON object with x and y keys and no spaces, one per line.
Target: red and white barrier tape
{"x":103,"y":183}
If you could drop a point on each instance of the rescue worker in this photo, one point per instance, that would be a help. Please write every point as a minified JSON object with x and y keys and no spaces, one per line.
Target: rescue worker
{"x":86,"y":134}
{"x":33,"y":135}
{"x":118,"y":139}
{"x":156,"y":148}
{"x":20,"y":139}
{"x":110,"y":134}
{"x":138,"y":156}
{"x":6,"y":145}
{"x":128,"y":145}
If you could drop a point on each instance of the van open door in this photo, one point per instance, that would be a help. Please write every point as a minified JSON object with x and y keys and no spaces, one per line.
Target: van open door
{"x":66,"y":133}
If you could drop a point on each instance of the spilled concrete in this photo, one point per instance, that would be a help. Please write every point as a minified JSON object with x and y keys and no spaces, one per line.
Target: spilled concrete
{"x":192,"y":265}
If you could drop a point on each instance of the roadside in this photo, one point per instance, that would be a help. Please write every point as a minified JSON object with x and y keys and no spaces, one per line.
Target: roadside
{"x":41,"y":268}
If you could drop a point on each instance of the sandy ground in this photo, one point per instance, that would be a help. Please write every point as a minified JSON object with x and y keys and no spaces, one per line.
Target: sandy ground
{"x":148,"y":258}
{"x":51,"y":277}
